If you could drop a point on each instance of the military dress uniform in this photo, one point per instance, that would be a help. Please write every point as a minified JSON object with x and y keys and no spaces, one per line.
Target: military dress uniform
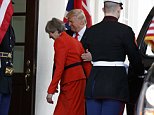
{"x":6,"y":64}
{"x":109,"y":42}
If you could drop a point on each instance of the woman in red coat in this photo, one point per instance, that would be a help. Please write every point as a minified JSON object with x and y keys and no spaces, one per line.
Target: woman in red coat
{"x":70,"y":70}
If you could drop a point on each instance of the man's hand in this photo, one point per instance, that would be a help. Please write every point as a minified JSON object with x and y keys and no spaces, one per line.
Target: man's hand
{"x":86,"y":56}
{"x":49,"y":98}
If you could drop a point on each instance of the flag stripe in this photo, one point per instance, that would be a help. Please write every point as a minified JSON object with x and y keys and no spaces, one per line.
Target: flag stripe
{"x":0,"y":2}
{"x":150,"y":32}
{"x":6,"y":11}
{"x":86,"y":6}
{"x":88,"y":18}
{"x":151,"y":28}
{"x":152,"y":25}
{"x":78,"y":4}
{"x":149,"y":37}
{"x":4,"y":6}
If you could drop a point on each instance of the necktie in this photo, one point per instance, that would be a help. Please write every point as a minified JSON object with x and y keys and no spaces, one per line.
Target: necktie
{"x":76,"y":36}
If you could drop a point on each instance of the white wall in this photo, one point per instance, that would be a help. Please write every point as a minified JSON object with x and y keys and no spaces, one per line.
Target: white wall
{"x":138,"y":11}
{"x":47,"y":10}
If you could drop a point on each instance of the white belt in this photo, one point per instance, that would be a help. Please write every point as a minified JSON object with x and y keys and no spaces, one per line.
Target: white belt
{"x":107,"y":63}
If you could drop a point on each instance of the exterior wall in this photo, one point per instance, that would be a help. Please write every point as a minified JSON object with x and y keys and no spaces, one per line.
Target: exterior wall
{"x":47,"y":10}
{"x":138,"y":10}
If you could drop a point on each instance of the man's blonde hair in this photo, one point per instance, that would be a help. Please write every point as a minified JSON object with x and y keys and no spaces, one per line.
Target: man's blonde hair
{"x":78,"y":13}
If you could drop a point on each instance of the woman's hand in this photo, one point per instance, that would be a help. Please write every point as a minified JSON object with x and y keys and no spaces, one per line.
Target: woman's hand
{"x":49,"y":98}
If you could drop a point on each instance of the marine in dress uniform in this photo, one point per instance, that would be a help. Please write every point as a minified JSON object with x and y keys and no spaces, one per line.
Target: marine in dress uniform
{"x":71,"y":71}
{"x":6,"y":63}
{"x":109,"y":42}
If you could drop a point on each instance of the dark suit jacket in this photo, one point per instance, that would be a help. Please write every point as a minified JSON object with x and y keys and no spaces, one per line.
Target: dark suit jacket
{"x":6,"y":46}
{"x":110,"y":40}
{"x":83,"y":39}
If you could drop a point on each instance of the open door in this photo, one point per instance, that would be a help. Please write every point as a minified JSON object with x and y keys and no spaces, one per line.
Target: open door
{"x":136,"y":83}
{"x":145,"y":105}
{"x":147,"y":54}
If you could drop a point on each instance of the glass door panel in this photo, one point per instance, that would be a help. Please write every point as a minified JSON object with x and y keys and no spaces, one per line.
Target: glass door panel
{"x":19,"y":5}
{"x":18,"y":59}
{"x":18,"y":23}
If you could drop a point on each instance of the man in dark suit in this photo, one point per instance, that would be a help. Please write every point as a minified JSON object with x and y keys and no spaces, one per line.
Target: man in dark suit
{"x":109,"y":42}
{"x":77,"y":22}
{"x":6,"y":64}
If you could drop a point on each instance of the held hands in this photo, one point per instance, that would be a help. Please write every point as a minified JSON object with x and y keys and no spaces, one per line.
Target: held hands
{"x":86,"y":56}
{"x":49,"y":98}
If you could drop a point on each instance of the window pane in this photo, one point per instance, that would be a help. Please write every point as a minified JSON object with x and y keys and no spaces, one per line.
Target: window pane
{"x":17,"y":23}
{"x":19,"y":5}
{"x":18,"y":59}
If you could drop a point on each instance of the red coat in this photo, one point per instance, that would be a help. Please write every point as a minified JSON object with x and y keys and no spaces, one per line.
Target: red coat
{"x":68,"y":51}
{"x":71,"y":100}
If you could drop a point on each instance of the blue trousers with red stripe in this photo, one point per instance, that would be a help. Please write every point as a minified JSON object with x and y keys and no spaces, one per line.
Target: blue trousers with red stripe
{"x":104,"y":107}
{"x":4,"y":103}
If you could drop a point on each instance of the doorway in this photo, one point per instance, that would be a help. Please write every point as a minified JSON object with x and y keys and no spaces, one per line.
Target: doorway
{"x":25,"y":24}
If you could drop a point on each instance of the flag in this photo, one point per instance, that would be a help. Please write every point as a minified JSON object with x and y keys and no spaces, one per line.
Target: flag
{"x":79,"y":4}
{"x":149,"y":37}
{"x":6,"y":12}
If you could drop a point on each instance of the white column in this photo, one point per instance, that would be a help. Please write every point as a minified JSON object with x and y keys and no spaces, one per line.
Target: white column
{"x":47,"y":10}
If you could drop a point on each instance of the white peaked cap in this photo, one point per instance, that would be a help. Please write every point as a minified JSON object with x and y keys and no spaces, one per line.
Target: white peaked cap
{"x":115,"y":1}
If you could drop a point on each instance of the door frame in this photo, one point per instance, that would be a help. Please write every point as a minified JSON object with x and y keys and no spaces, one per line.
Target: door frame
{"x":23,"y":102}
{"x":32,"y":23}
